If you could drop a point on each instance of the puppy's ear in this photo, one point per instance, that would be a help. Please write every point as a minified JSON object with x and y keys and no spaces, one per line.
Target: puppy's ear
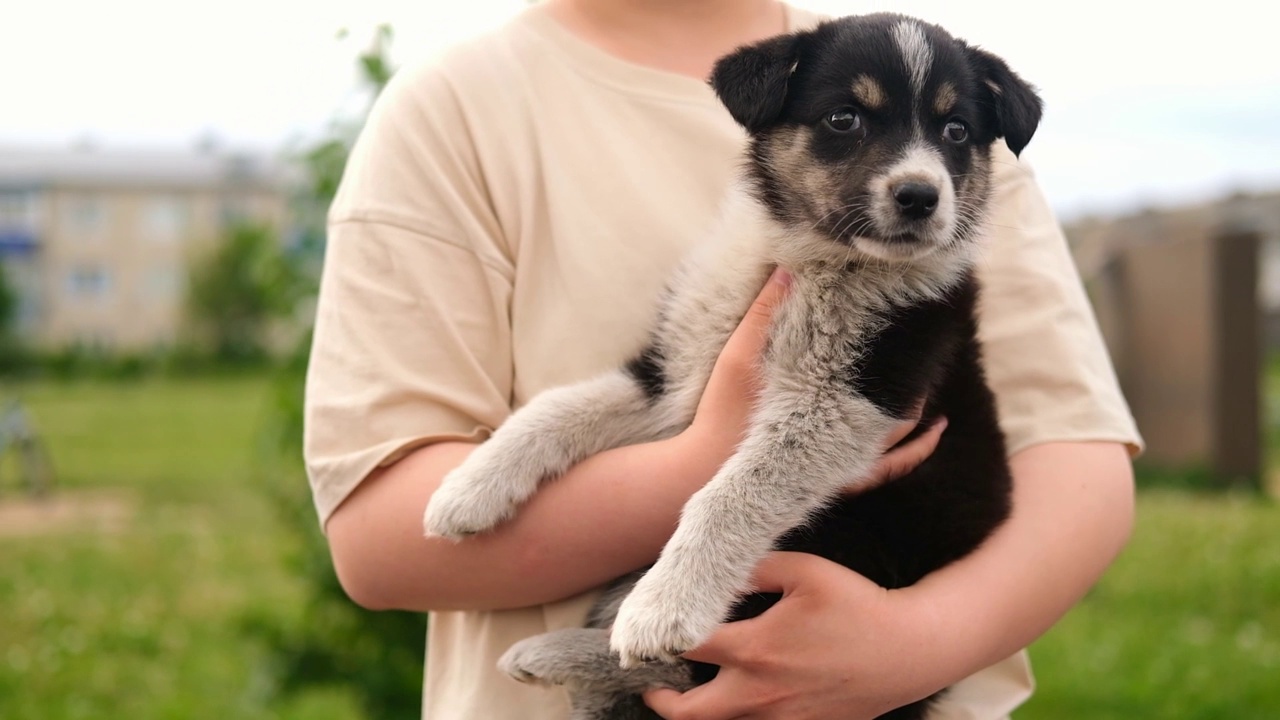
{"x":1014,"y":107}
{"x":752,"y":81}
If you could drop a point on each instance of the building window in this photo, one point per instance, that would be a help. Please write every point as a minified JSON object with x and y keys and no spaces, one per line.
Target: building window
{"x":166,"y":219}
{"x":18,"y":211}
{"x":164,"y":283}
{"x":22,"y":274}
{"x":235,"y":210}
{"x":86,"y":214}
{"x":89,"y":283}
{"x":93,"y":340}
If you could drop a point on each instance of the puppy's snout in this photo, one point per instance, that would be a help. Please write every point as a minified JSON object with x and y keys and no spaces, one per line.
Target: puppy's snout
{"x":916,"y":200}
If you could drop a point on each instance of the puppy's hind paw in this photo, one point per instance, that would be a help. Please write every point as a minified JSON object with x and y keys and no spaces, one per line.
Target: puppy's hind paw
{"x":574,"y":656}
{"x":528,"y":662}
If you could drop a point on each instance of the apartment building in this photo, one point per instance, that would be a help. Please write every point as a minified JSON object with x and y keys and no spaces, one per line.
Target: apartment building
{"x":98,"y":243}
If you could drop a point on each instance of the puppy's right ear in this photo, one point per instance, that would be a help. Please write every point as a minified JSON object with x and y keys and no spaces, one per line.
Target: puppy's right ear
{"x":1012,"y":104}
{"x":752,"y":81}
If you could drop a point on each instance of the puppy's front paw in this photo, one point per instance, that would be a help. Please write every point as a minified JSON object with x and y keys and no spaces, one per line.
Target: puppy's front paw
{"x":658,"y":622}
{"x":466,"y":504}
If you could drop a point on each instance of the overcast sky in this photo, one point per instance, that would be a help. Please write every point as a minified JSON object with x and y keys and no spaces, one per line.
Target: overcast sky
{"x":1144,"y":103}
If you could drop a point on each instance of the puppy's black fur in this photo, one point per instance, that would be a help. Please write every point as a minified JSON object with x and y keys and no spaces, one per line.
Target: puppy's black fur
{"x":901,"y":531}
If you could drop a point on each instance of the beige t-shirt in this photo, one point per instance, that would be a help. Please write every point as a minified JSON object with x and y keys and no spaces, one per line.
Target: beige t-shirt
{"x":505,"y":223}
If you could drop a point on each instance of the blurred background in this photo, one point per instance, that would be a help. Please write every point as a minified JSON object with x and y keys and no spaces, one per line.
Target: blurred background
{"x":164,"y":170}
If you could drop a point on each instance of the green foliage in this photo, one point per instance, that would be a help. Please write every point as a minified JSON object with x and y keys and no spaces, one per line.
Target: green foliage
{"x":236,"y":291}
{"x":376,"y":69}
{"x":325,"y":159}
{"x":12,"y":353}
{"x":8,"y":305}
{"x":376,"y":658}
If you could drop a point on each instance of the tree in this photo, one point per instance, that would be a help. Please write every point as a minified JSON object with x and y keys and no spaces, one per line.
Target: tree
{"x":238,"y":290}
{"x":11,"y":354}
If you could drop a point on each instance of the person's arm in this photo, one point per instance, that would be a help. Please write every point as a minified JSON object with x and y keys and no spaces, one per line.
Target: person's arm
{"x":836,"y":644}
{"x":607,"y":516}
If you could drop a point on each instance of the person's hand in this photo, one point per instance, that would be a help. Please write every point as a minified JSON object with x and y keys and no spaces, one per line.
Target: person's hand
{"x":835,"y":645}
{"x":898,"y":461}
{"x":724,"y":412}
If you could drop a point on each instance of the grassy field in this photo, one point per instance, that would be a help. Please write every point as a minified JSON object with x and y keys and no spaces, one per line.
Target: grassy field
{"x":133,"y":603}
{"x":1186,"y":625}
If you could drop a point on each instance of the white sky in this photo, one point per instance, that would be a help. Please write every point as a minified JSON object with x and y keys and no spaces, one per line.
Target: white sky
{"x":1144,"y":103}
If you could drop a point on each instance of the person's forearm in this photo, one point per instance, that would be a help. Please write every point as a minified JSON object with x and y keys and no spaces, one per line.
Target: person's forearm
{"x":607,"y":516}
{"x":1073,"y":513}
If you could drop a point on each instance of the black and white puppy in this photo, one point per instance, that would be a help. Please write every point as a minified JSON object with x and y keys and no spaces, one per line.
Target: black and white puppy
{"x":867,"y":177}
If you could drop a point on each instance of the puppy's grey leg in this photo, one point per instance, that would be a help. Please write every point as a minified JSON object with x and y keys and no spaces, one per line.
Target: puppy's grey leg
{"x":609,"y":706}
{"x":801,"y":449}
{"x":556,"y":429}
{"x":580,"y":659}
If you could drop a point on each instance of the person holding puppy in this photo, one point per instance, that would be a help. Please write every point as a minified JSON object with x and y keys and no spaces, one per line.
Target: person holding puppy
{"x":505,"y":224}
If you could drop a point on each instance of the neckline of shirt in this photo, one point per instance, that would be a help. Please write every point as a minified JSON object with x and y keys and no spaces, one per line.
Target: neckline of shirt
{"x":603,"y":67}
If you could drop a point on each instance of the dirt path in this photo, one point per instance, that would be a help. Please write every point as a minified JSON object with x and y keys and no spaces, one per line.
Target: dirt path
{"x":65,"y":512}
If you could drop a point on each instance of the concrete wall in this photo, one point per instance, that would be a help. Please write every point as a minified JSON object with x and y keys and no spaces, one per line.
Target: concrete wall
{"x":1181,"y":297}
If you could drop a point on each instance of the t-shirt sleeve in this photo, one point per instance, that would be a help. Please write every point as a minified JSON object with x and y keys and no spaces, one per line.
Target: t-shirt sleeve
{"x":1045,"y":357}
{"x":412,"y":340}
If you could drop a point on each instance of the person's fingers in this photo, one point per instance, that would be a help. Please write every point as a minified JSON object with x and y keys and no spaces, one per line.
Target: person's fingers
{"x":713,"y":701}
{"x":778,"y":572}
{"x":900,"y":460}
{"x":664,"y":701}
{"x":901,"y":430}
{"x":722,"y":647}
{"x":781,"y":571}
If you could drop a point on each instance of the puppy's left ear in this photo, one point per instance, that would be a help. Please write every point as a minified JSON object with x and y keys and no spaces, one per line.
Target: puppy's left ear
{"x":1015,"y":108}
{"x":752,"y":80}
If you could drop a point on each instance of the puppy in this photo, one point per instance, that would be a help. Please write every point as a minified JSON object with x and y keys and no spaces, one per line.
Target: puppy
{"x":867,"y":177}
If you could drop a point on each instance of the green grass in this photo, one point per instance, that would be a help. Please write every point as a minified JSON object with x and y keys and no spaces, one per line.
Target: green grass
{"x":147,"y":620}
{"x":1186,"y":624}
{"x":151,"y":619}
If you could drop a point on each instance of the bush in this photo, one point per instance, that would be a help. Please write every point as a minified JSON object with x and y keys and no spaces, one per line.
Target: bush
{"x":376,"y":656}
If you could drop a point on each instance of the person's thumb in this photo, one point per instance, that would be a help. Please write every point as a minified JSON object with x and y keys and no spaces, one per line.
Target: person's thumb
{"x":781,"y":572}
{"x":753,"y":332}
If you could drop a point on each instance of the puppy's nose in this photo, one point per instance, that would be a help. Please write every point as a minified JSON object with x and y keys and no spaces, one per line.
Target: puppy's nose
{"x":916,"y":200}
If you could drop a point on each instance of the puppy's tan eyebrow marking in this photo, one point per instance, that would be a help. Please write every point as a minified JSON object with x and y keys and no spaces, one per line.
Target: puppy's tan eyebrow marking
{"x":946,"y":98}
{"x":868,"y":92}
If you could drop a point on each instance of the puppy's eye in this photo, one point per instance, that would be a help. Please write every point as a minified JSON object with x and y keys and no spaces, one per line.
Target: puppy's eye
{"x":956,"y":132}
{"x":844,"y":120}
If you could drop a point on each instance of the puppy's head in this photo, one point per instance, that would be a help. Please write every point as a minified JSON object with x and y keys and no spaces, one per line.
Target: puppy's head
{"x":875,"y":131}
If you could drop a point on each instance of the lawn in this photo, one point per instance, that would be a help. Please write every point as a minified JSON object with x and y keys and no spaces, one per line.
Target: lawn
{"x":139,"y":606}
{"x":1185,"y":626}
{"x":145,"y":616}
